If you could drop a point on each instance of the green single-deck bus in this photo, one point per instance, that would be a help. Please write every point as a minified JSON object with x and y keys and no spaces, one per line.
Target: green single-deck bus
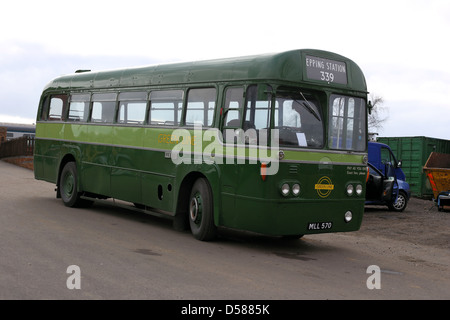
{"x":274,"y":144}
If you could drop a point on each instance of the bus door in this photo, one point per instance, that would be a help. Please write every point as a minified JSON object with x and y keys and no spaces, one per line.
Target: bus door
{"x":256,"y":124}
{"x":245,"y":119}
{"x":230,"y":124}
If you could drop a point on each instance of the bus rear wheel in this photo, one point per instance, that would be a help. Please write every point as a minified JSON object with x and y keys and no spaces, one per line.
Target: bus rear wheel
{"x":200,"y":211}
{"x":68,"y":186}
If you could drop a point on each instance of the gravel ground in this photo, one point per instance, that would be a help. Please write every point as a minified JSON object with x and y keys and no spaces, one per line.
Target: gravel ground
{"x":421,"y":223}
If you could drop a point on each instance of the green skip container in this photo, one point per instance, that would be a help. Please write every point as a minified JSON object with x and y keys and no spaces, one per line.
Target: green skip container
{"x":414,"y":153}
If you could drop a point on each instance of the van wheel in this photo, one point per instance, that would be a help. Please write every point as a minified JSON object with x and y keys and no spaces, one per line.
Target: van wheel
{"x":401,"y":203}
{"x":68,"y":187}
{"x":200,"y":211}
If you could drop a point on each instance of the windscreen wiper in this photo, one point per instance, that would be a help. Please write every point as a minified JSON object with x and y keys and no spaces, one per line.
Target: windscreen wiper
{"x":309,"y":107}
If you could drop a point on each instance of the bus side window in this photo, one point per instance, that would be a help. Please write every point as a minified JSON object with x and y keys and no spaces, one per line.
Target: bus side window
{"x":234,"y":103}
{"x":79,"y":107}
{"x":132,"y":107}
{"x":346,"y":130}
{"x":165,"y":107}
{"x":257,"y":112}
{"x":44,"y":111}
{"x":200,"y":106}
{"x":103,"y":107}
{"x":58,"y":106}
{"x":232,"y":112}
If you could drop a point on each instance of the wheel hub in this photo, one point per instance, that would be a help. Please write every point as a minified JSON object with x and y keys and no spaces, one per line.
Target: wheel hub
{"x":400,"y":202}
{"x":195,"y":209}
{"x":68,"y":185}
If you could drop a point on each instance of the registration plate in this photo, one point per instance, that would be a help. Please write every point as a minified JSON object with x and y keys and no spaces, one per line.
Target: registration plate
{"x":320,"y":225}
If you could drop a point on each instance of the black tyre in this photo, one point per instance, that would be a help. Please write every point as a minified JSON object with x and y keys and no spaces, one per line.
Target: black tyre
{"x":200,"y":211}
{"x":68,"y":187}
{"x":400,"y":204}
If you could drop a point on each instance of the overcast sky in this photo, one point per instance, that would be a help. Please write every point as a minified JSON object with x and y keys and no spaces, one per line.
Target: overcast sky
{"x":401,"y":45}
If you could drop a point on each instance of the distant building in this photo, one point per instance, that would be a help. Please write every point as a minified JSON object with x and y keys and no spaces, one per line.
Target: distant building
{"x":16,"y":130}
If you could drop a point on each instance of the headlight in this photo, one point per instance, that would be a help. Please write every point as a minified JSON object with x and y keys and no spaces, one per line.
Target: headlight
{"x":296,"y":189}
{"x":285,"y":189}
{"x":348,"y":216}
{"x":359,"y":189}
{"x":349,"y":189}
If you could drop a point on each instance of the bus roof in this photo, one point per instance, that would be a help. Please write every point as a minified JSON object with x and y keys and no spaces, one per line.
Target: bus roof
{"x":285,"y":66}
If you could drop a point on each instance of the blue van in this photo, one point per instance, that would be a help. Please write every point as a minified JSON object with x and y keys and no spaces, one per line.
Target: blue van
{"x":386,"y":183}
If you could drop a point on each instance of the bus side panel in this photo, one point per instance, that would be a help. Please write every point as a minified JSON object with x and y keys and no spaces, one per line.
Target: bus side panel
{"x":96,"y":170}
{"x":46,"y":160}
{"x":228,"y":184}
{"x":51,"y":160}
{"x":127,"y":164}
{"x":126,"y":185}
{"x":97,"y":160}
{"x":38,"y":159}
{"x":158,"y":177}
{"x":158,"y":191}
{"x":49,"y":139}
{"x":38,"y":162}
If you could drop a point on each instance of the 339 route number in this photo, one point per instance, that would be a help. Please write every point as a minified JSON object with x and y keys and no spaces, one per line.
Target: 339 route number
{"x":326,"y":76}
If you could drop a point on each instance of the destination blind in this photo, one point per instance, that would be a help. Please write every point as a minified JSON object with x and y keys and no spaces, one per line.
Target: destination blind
{"x":330,"y":71}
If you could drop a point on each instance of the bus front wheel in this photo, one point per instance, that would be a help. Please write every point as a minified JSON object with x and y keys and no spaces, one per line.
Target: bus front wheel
{"x":201,"y":217}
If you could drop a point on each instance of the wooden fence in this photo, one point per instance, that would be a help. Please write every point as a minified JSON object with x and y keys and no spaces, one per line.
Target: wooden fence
{"x":23,"y":146}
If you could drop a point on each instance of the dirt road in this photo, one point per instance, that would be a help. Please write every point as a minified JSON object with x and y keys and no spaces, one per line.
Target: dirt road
{"x":420,"y":224}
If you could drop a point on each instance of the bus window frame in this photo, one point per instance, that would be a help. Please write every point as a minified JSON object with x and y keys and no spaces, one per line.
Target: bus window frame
{"x":357,"y":116}
{"x":104,"y":97}
{"x":205,"y":109}
{"x":88,"y":101}
{"x":248,"y":124}
{"x":64,"y":97}
{"x":45,"y":105}
{"x":251,"y":123}
{"x":169,"y":99}
{"x":224,"y":123}
{"x":132,"y":97}
{"x":314,"y":99}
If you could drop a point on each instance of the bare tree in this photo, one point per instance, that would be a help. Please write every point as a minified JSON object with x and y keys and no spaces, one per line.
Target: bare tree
{"x":376,"y":116}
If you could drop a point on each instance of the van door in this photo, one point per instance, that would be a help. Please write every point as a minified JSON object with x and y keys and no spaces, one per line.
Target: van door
{"x":389,"y":167}
{"x":381,"y":187}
